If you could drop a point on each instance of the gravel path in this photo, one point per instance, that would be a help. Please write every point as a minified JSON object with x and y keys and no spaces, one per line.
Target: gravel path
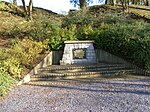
{"x":80,"y":96}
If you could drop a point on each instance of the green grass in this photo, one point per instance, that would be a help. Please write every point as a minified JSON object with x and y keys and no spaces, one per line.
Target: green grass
{"x":5,"y":82}
{"x":19,"y":49}
{"x":138,"y":10}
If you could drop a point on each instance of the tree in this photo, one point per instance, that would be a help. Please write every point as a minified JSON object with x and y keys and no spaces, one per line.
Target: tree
{"x":28,"y":10}
{"x":81,"y":3}
{"x":147,"y":3}
{"x":113,"y":2}
{"x":25,"y":8}
{"x":15,"y":2}
{"x":124,"y":4}
{"x":133,"y":1}
{"x":106,"y":1}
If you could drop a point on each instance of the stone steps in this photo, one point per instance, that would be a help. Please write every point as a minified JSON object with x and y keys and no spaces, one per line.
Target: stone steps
{"x":58,"y":72}
{"x":63,"y":77}
{"x":83,"y":74}
{"x":101,"y":66}
{"x":84,"y":70}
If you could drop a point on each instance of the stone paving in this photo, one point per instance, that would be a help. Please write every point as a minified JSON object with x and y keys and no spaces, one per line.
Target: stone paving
{"x":77,"y":95}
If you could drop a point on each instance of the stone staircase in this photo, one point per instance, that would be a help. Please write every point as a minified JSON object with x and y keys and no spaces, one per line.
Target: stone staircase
{"x":59,"y":72}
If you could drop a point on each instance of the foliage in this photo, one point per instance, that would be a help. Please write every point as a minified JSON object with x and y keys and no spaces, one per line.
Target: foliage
{"x":20,"y":54}
{"x":80,"y":2}
{"x":10,"y":64}
{"x":24,"y":41}
{"x":115,"y":33}
{"x":124,"y":40}
{"x":11,"y":8}
{"x":59,"y":35}
{"x":14,"y":25}
{"x":5,"y":81}
{"x":26,"y":50}
{"x":77,"y":18}
{"x":40,"y":29}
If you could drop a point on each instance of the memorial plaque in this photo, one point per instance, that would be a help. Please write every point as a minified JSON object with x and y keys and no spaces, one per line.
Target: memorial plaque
{"x":79,"y":53}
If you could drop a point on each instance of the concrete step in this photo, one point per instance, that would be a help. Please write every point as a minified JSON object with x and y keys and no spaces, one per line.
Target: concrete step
{"x":63,"y":77}
{"x":70,"y":75}
{"x":89,"y":70}
{"x":78,"y":68}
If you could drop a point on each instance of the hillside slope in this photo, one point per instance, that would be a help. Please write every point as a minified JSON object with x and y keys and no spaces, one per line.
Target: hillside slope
{"x":23,"y":43}
{"x":12,"y":19}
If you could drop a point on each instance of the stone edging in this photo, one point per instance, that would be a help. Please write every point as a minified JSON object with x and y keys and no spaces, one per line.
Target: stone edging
{"x":86,"y":41}
{"x":45,"y":62}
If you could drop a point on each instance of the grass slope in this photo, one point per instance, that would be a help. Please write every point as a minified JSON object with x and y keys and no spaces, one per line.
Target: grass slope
{"x":22,"y":42}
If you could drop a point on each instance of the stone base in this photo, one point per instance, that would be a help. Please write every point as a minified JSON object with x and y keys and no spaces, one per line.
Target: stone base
{"x":71,"y":46}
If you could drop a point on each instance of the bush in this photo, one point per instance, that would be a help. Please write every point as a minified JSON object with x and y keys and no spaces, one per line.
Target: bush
{"x":10,"y":64}
{"x":59,"y":35}
{"x":78,"y":18}
{"x":26,"y":51}
{"x":124,"y":40}
{"x":20,"y":54}
{"x":5,"y":81}
{"x":115,"y":33}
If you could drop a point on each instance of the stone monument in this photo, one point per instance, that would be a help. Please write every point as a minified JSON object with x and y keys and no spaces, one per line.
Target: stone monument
{"x":78,"y":52}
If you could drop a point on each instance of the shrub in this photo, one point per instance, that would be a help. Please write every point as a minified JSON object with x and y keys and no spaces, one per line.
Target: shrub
{"x":78,"y":18}
{"x":20,"y":54}
{"x":59,"y":35}
{"x":124,"y":40}
{"x":5,"y":81}
{"x":26,"y":51}
{"x":115,"y":33}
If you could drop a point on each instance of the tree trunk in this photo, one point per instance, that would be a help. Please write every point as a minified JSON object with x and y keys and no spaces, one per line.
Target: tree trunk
{"x":124,"y":4}
{"x":128,"y":2}
{"x":30,"y":8}
{"x":133,"y":1}
{"x":117,"y":1}
{"x":106,"y":1}
{"x":114,"y":2}
{"x":25,"y":8}
{"x":147,"y":2}
{"x":15,"y":2}
{"x":82,"y":4}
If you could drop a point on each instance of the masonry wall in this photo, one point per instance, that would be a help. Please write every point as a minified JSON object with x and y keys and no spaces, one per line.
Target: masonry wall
{"x":68,"y":53}
{"x":103,"y":56}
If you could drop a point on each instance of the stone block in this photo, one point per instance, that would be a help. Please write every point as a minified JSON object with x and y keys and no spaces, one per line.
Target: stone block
{"x":90,"y":56}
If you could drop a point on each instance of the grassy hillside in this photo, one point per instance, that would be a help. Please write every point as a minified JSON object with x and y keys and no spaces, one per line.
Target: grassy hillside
{"x":135,"y":11}
{"x":23,"y":43}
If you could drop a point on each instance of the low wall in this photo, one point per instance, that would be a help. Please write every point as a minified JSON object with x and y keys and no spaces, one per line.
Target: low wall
{"x":54,"y":57}
{"x":103,"y":56}
{"x":44,"y":63}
